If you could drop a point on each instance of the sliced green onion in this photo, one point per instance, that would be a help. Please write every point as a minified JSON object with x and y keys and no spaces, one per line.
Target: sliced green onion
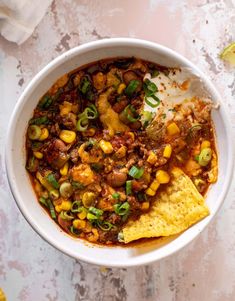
{"x":193,"y":131}
{"x":85,"y":85}
{"x":82,"y":209}
{"x":54,"y":194}
{"x":36,"y":145}
{"x":39,"y":120}
{"x":205,"y":156}
{"x":150,"y":103}
{"x":32,"y":164}
{"x":77,"y":185}
{"x":52,"y":180}
{"x":66,"y":190}
{"x":75,"y":231}
{"x":116,"y":195}
{"x":196,"y":127}
{"x":51,"y":208}
{"x":91,"y":217}
{"x":155,"y":73}
{"x":133,"y":85}
{"x":97,"y":212}
{"x":91,"y":112}
{"x":104,"y":225}
{"x":122,"y":209}
{"x":65,"y":215}
{"x":82,"y":123}
{"x":127,"y":111}
{"x":196,"y":158}
{"x":43,"y":201}
{"x":34,"y":132}
{"x":136,"y":172}
{"x":149,"y":87}
{"x":45,"y":102}
{"x":76,"y":206}
{"x":125,"y":217}
{"x":146,"y":117}
{"x":128,"y":187}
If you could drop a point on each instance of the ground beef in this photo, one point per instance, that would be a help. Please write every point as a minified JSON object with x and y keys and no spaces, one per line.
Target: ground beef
{"x":74,"y":155}
{"x":108,"y":236}
{"x":114,"y":218}
{"x":135,"y":205}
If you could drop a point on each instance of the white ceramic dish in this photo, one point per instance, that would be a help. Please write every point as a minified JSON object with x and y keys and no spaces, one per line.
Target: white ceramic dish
{"x":20,"y":183}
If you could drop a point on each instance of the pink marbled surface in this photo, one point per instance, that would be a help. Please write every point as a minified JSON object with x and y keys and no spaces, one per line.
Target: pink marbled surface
{"x":30,"y":269}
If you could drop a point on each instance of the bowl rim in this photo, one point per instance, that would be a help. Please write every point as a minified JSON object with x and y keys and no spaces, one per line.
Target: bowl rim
{"x":139,"y":260}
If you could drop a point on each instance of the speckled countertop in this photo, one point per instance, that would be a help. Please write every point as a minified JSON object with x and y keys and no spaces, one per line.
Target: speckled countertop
{"x":30,"y":269}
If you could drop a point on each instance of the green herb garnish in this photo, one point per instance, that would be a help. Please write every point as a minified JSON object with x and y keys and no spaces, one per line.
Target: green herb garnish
{"x":136,"y":172}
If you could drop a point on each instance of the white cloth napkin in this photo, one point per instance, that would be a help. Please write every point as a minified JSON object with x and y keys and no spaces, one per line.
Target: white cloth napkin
{"x":18,"y":18}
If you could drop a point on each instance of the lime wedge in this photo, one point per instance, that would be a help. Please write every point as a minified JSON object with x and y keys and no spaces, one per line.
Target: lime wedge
{"x":228,"y":54}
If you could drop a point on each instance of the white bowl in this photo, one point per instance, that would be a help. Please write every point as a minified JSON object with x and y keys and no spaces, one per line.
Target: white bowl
{"x":20,"y":183}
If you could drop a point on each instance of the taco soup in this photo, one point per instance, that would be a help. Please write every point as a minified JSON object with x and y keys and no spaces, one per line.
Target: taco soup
{"x":122,"y":149}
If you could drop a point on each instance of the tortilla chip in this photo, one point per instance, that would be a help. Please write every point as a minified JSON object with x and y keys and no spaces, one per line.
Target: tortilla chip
{"x":175,"y":209}
{"x":2,"y":295}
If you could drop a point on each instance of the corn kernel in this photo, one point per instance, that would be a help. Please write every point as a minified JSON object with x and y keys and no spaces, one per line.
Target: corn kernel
{"x":121,"y":87}
{"x":150,"y":192}
{"x":58,"y":208}
{"x":173,"y":129}
{"x":154,"y":185}
{"x":162,"y":176}
{"x":79,"y":224}
{"x":44,"y":134}
{"x":83,"y":214}
{"x":132,"y":135}
{"x":121,"y":152}
{"x":65,"y":108}
{"x":145,"y":206}
{"x":95,"y":232}
{"x":167,"y":151}
{"x":64,"y":169}
{"x":66,"y":205}
{"x":205,"y":144}
{"x":152,"y":158}
{"x":38,"y":155}
{"x":67,"y":136}
{"x":64,"y":111}
{"x":88,"y":227}
{"x":106,"y":146}
{"x":44,"y":181}
{"x":95,"y":235}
